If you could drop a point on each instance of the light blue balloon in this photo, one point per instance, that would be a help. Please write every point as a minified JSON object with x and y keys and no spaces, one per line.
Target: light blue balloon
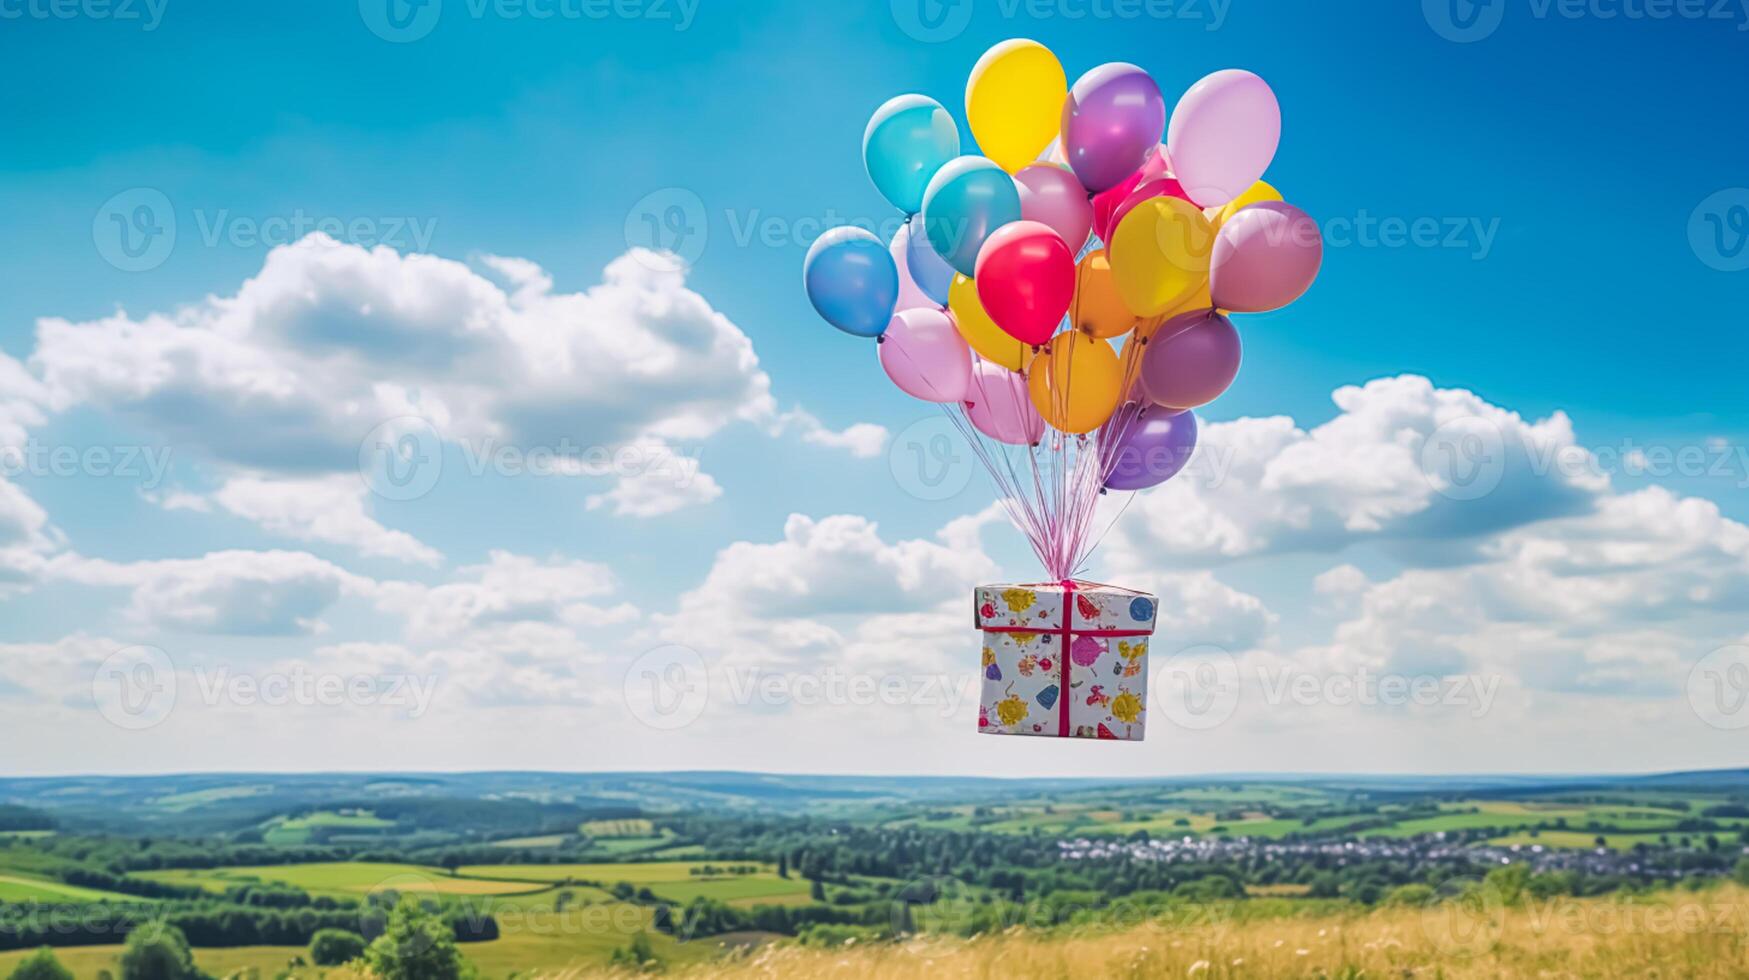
{"x":928,"y":270}
{"x":967,"y":200}
{"x":906,"y":142}
{"x":852,"y":280}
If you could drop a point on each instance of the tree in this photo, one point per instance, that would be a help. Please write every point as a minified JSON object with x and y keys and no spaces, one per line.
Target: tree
{"x":332,"y":947}
{"x":1741,"y":871}
{"x":156,"y":951}
{"x":639,"y":954}
{"x":41,"y":965}
{"x":783,"y":866}
{"x":415,"y":945}
{"x":817,"y":891}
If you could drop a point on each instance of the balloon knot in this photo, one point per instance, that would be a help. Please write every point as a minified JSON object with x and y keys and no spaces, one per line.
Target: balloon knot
{"x":971,"y":404}
{"x":881,"y":339}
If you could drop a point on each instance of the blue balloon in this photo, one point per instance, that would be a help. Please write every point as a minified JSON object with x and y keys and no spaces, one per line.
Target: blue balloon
{"x":906,"y":142}
{"x":852,"y":281}
{"x":967,"y":200}
{"x":928,"y":270}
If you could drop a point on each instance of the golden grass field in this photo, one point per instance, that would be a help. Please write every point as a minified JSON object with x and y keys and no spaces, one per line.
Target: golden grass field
{"x":1702,"y":935}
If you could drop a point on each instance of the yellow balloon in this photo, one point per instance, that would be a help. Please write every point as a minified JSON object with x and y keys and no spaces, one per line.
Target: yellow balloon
{"x":1098,"y":309}
{"x":1014,"y":102}
{"x":1160,"y":254}
{"x":1258,"y":193}
{"x":981,"y":333}
{"x":1077,"y":384}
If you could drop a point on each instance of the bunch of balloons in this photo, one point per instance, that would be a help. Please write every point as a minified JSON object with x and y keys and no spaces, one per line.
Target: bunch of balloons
{"x":1078,"y":275}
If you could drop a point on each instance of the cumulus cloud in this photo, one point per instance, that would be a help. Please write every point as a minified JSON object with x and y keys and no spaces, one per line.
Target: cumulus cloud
{"x":510,"y":596}
{"x":1398,"y":464}
{"x":328,"y":508}
{"x":246,"y":593}
{"x":286,"y":377}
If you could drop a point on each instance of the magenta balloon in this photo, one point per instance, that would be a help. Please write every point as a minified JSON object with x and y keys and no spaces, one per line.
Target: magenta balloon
{"x":1191,"y":360}
{"x":1224,"y":132}
{"x":1106,"y":202}
{"x":910,"y":296}
{"x":1052,"y":196}
{"x":999,"y":406}
{"x":1112,"y":120}
{"x":923,"y":353}
{"x":1152,"y":444}
{"x":1265,"y":257}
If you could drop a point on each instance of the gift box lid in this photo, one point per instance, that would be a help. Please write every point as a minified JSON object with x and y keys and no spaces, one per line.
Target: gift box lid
{"x":1093,"y":606}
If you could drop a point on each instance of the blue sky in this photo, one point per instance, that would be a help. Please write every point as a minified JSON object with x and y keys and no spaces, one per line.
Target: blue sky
{"x":1565,"y":154}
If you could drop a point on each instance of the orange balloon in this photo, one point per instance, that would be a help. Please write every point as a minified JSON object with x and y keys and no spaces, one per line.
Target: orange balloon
{"x":1077,"y":383}
{"x":1099,"y":308}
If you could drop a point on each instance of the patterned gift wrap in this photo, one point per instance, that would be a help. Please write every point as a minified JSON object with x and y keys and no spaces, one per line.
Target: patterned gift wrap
{"x":1068,"y":660}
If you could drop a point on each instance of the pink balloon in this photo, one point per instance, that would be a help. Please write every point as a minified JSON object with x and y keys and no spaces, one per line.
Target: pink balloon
{"x":998,"y":406}
{"x":1106,"y":201}
{"x":910,"y":296}
{"x":924,"y":355}
{"x":1052,"y":196}
{"x":1191,"y":360}
{"x":1224,"y":133}
{"x":1265,"y":257}
{"x":1026,"y":278}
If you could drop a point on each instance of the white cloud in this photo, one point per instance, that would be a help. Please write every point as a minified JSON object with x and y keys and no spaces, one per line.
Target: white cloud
{"x":512,"y":597}
{"x":1264,"y":486}
{"x":864,"y":440}
{"x":286,"y":377}
{"x":249,"y":593}
{"x":329,"y":509}
{"x":662,"y":482}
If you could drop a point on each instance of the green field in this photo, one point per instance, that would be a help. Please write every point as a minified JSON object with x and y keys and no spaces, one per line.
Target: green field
{"x":296,"y":830}
{"x":27,"y":888}
{"x":672,"y":880}
{"x":348,"y":879}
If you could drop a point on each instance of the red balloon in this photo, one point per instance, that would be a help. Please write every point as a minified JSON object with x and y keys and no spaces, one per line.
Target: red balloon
{"x":1105,"y":202}
{"x":1026,"y":278}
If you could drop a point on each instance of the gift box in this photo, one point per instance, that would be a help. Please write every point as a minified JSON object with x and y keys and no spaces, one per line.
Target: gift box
{"x":1067,"y":660}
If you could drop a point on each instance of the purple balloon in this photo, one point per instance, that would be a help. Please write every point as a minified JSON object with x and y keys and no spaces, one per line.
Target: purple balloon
{"x":1053,"y":197}
{"x":1265,"y":257}
{"x":1113,"y":118}
{"x":1191,"y":360}
{"x":924,"y":354}
{"x":1153,"y":445}
{"x":999,"y":406}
